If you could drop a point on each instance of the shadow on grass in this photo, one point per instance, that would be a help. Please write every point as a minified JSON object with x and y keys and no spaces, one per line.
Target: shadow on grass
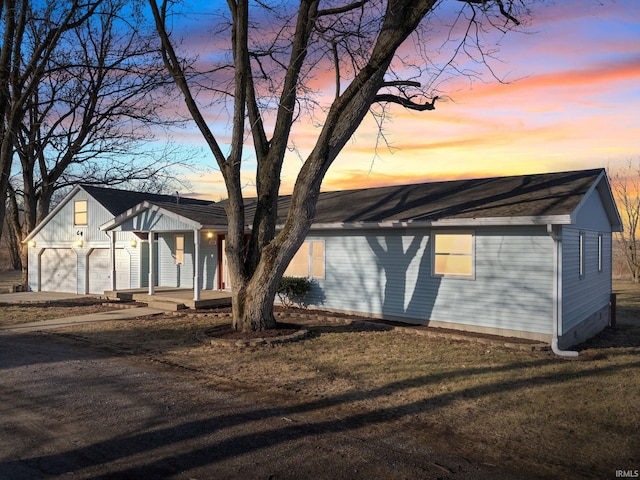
{"x":143,"y":461}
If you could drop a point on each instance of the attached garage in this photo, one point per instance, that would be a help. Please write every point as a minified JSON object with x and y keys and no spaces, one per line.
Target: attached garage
{"x":59,"y":270}
{"x":100,"y":270}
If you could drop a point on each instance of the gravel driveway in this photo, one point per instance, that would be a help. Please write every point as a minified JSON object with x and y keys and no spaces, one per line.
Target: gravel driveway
{"x":70,"y":410}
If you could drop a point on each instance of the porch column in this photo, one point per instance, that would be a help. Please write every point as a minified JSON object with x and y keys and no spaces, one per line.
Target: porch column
{"x":196,"y":265}
{"x":112,"y":257}
{"x":151,"y":272}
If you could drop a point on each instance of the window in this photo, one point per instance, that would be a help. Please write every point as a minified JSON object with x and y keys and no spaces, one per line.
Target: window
{"x":80,"y":215}
{"x":581,"y":254}
{"x":317,"y":259}
{"x":453,"y":254}
{"x":179,"y":249}
{"x":599,"y":252}
{"x":308,"y":262}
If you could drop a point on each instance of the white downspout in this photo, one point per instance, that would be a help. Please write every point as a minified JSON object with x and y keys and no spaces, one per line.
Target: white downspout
{"x":557,"y":293}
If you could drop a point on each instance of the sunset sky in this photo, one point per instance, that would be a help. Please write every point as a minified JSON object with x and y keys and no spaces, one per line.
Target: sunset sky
{"x":572,"y":102}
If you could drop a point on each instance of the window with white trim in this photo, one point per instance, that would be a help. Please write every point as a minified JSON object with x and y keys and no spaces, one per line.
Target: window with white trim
{"x":581,"y":255}
{"x":179,"y":249}
{"x":308,"y":262}
{"x":599,"y":252}
{"x":453,"y":254}
{"x":80,"y":212}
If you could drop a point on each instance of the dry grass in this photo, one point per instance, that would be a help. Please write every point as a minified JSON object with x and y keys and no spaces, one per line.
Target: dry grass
{"x":14,"y":314}
{"x":529,"y":411}
{"x":9,"y":278}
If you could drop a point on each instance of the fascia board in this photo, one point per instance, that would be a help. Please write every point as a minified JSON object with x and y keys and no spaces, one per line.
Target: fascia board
{"x":454,"y":222}
{"x":507,"y":221}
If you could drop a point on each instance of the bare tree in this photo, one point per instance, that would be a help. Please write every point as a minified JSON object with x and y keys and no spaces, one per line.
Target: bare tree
{"x":274,"y":53}
{"x":90,"y":119}
{"x":626,"y":189}
{"x":30,"y":38}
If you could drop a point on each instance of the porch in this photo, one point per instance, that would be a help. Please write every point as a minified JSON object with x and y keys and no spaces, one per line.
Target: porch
{"x":172,"y":298}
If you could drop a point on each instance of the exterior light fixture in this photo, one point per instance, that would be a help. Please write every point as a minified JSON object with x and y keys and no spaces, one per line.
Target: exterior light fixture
{"x":209,"y":235}
{"x":32,"y":243}
{"x":79,"y":241}
{"x":133,"y":242}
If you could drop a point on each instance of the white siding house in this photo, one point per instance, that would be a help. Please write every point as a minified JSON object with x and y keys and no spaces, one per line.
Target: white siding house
{"x":525,"y":256}
{"x":69,"y":253}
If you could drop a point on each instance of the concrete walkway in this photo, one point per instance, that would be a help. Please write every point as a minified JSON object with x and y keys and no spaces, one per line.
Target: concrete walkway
{"x":119,"y":314}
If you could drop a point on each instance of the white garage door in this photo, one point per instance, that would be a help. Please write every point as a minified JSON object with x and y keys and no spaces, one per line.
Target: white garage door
{"x":100,"y":270}
{"x":58,"y":270}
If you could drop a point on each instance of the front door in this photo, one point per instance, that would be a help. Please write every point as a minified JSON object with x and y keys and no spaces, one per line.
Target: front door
{"x":225,"y":281}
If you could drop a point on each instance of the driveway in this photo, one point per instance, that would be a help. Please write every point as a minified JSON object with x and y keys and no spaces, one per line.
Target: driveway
{"x":71,"y":410}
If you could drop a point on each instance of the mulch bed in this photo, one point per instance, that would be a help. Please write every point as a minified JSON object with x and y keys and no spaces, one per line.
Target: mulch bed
{"x":225,"y":332}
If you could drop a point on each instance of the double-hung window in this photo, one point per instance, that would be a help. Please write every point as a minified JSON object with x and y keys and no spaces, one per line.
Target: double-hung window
{"x":179,"y":249}
{"x":308,"y":262}
{"x":453,"y":254}
{"x":80,"y":213}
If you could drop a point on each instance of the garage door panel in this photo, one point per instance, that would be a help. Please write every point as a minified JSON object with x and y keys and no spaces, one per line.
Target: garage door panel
{"x":59,"y":270}
{"x":100,"y":270}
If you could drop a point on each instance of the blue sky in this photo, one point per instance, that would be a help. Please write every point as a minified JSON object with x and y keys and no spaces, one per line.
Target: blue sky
{"x":572,"y":102}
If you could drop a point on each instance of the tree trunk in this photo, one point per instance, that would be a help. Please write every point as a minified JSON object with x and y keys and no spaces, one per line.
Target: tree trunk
{"x":253,"y":300}
{"x":253,"y":308}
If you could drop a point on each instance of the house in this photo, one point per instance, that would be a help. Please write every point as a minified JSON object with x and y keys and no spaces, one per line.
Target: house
{"x":525,"y":256}
{"x":69,"y":253}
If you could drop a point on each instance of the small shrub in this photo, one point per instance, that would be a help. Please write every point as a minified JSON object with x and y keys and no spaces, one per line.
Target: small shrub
{"x":292,"y":291}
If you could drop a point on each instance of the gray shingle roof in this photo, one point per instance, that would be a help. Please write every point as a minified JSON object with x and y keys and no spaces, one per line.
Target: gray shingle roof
{"x":540,"y":197}
{"x":211,"y":214}
{"x":118,"y":201}
{"x":517,"y":196}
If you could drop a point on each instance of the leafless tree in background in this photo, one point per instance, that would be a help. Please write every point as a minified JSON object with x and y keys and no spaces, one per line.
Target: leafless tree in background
{"x":92,"y":115}
{"x":276,"y":50}
{"x":30,"y":38}
{"x":626,"y":189}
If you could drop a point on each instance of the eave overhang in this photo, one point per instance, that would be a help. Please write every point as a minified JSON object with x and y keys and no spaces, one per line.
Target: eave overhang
{"x":449,"y":222}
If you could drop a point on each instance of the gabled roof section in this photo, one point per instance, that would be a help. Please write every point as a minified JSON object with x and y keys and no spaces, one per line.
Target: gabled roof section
{"x":206,"y":215}
{"x":117,"y":201}
{"x":526,"y":199}
{"x":211,"y":215}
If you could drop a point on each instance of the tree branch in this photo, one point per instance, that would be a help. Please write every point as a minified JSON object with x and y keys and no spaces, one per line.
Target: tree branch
{"x":405,"y":102}
{"x":501,"y":7}
{"x":343,"y":9}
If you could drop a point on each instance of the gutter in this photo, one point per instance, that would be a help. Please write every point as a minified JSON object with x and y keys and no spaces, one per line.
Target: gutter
{"x":557,"y":294}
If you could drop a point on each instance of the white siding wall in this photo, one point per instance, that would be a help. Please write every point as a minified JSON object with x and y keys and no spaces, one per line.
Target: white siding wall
{"x":584,"y":296}
{"x":208,"y":264}
{"x":170,"y":274}
{"x":389,"y":273}
{"x":152,"y":220}
{"x":60,"y":232}
{"x":60,"y":229}
{"x":592,"y":215}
